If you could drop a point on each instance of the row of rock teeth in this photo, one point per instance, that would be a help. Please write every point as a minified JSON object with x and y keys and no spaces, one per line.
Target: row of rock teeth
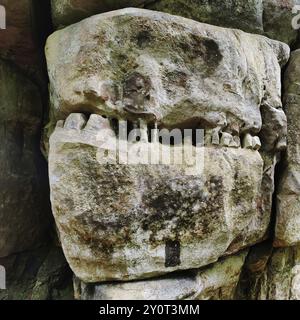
{"x":78,"y":121}
{"x":212,"y":137}
{"x":250,"y":142}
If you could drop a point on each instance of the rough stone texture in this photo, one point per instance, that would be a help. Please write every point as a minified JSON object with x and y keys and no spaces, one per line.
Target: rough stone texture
{"x":270,"y":17}
{"x":203,"y":76}
{"x":288,"y":204}
{"x":136,"y":75}
{"x":27,"y":25}
{"x":24,"y":214}
{"x":271,"y":274}
{"x":216,"y":282}
{"x":277,"y":20}
{"x":41,"y":274}
{"x":145,"y":220}
{"x":246,"y":15}
{"x":130,"y":222}
{"x":66,"y":12}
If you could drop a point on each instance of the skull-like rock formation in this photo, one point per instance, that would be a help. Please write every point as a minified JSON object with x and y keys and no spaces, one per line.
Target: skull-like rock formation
{"x":202,"y":75}
{"x":124,"y":221}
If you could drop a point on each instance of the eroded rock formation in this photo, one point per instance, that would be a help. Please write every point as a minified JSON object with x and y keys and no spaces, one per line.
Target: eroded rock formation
{"x":214,"y":217}
{"x":141,"y":220}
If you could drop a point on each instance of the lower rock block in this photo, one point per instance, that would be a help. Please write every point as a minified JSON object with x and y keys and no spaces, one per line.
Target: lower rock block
{"x":215,"y":282}
{"x":136,"y":221}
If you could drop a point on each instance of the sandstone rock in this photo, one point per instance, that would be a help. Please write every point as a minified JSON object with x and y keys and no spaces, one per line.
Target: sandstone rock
{"x":24,"y":213}
{"x":66,"y":12}
{"x":271,"y":274}
{"x":246,"y":15}
{"x":288,"y":205}
{"x":252,"y":284}
{"x":27,"y":25}
{"x":277,"y":20}
{"x":209,"y":76}
{"x":270,"y":17}
{"x":216,"y":282}
{"x":41,"y":274}
{"x":120,"y":221}
{"x":138,"y":220}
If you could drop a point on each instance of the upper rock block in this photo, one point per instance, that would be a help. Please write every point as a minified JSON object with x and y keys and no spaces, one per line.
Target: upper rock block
{"x":136,"y":63}
{"x":66,"y":12}
{"x":270,"y":17}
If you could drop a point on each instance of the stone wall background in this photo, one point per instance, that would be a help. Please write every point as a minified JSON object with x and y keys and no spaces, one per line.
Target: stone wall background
{"x":29,"y":248}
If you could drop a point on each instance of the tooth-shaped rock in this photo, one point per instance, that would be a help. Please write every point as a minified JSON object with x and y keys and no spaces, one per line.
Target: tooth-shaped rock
{"x":188,"y":140}
{"x":208,"y":137}
{"x":144,"y":131}
{"x":154,"y":133}
{"x":248,"y":141}
{"x":97,"y":122}
{"x":100,"y":128}
{"x":75,"y":121}
{"x":256,"y":143}
{"x":60,"y":124}
{"x":226,"y":139}
{"x":215,"y":136}
{"x":235,"y":142}
{"x":135,"y":133}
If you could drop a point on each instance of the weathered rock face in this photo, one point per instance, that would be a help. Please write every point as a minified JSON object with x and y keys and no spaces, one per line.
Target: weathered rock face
{"x":277,"y":20}
{"x":288,"y":215}
{"x":26,"y":26}
{"x":143,"y":220}
{"x":216,"y":282}
{"x":158,"y":220}
{"x":23,"y":193}
{"x":271,"y":274}
{"x":66,"y":12}
{"x":246,"y":15}
{"x":203,"y":75}
{"x":270,"y":17}
{"x":40,"y":274}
